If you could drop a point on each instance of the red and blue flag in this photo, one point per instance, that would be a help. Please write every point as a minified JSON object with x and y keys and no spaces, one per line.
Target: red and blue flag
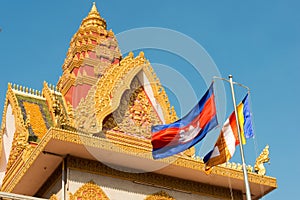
{"x":170,"y":139}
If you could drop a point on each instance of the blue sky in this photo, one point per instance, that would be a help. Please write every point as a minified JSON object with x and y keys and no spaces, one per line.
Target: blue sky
{"x":257,"y":41}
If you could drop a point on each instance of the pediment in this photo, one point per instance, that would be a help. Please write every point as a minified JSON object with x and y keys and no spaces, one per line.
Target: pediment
{"x":128,"y":98}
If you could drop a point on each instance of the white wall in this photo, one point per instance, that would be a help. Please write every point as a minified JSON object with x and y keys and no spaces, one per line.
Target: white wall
{"x":7,"y":139}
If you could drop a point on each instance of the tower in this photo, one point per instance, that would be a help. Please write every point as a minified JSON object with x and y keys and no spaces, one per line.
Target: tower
{"x":92,"y":50}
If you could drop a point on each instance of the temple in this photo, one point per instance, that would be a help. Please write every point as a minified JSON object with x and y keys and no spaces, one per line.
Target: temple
{"x":89,"y":136}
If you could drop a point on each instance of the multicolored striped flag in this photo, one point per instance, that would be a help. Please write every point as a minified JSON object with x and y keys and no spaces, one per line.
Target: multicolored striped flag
{"x":245,"y":121}
{"x":170,"y":139}
{"x":228,"y":138}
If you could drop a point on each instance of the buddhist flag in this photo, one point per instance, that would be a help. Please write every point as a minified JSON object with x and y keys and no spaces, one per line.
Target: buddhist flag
{"x":170,"y":139}
{"x":228,"y":138}
{"x":245,"y":121}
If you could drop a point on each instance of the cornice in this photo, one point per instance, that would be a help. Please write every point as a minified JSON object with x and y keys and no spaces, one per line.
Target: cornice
{"x":85,"y":79}
{"x":15,"y":174}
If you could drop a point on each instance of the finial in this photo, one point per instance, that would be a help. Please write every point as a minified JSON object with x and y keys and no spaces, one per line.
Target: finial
{"x":94,"y":8}
{"x":131,"y":54}
{"x":142,"y":55}
{"x":93,"y":19}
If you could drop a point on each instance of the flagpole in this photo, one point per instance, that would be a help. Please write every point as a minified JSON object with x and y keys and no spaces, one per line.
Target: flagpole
{"x":247,"y":187}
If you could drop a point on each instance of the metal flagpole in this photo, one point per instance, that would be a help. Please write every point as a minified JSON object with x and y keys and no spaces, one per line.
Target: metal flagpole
{"x":247,"y":187}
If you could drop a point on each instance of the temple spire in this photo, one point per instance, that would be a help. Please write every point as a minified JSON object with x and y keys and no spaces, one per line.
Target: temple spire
{"x":94,"y":8}
{"x":93,"y":19}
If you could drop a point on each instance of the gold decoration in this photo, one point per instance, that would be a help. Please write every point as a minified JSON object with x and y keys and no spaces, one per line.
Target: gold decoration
{"x":91,"y":36}
{"x":84,"y":114}
{"x":117,"y":80}
{"x":49,"y":98}
{"x":190,"y":152}
{"x":260,"y":160}
{"x":161,"y":195}
{"x":153,"y":179}
{"x":21,"y":134}
{"x":53,"y":197}
{"x":70,"y":112}
{"x":12,"y":178}
{"x":89,"y":191}
{"x":59,"y":115}
{"x":134,"y":115}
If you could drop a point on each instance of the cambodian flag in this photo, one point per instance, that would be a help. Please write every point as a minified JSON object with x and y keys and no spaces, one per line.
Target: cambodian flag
{"x":170,"y":139}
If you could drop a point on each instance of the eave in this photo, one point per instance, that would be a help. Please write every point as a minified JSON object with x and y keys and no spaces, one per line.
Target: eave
{"x":28,"y":176}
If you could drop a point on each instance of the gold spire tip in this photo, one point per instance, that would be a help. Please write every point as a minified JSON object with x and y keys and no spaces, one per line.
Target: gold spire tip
{"x":94,"y":8}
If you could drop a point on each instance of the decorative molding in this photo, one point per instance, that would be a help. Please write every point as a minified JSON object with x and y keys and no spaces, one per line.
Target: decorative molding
{"x":117,"y":80}
{"x":91,"y":37}
{"x":21,"y":134}
{"x":85,"y":79}
{"x":89,"y":191}
{"x":161,"y":195}
{"x":53,"y":197}
{"x":16,"y":174}
{"x":49,"y":98}
{"x":20,"y":167}
{"x":153,"y":179}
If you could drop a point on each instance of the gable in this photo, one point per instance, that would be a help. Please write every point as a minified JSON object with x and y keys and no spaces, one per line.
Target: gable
{"x":128,"y":95}
{"x":135,"y":113}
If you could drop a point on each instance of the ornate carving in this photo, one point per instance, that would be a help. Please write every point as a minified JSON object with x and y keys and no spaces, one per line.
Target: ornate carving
{"x":12,"y":178}
{"x":190,"y":152}
{"x":161,"y":195}
{"x":21,"y":134}
{"x":58,"y":108}
{"x":118,"y":78}
{"x":134,"y":115}
{"x":60,"y":118}
{"x":49,"y":98}
{"x":153,"y":179}
{"x":70,"y":112}
{"x":92,"y":42}
{"x":85,"y":114}
{"x":53,"y":197}
{"x":260,"y":160}
{"x":89,"y":191}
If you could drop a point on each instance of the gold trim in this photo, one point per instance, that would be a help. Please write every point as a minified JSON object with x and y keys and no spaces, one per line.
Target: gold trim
{"x":153,"y":179}
{"x":118,"y":78}
{"x":53,"y":197}
{"x":21,"y":134}
{"x":89,"y":191}
{"x":130,"y":149}
{"x":161,"y":195}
